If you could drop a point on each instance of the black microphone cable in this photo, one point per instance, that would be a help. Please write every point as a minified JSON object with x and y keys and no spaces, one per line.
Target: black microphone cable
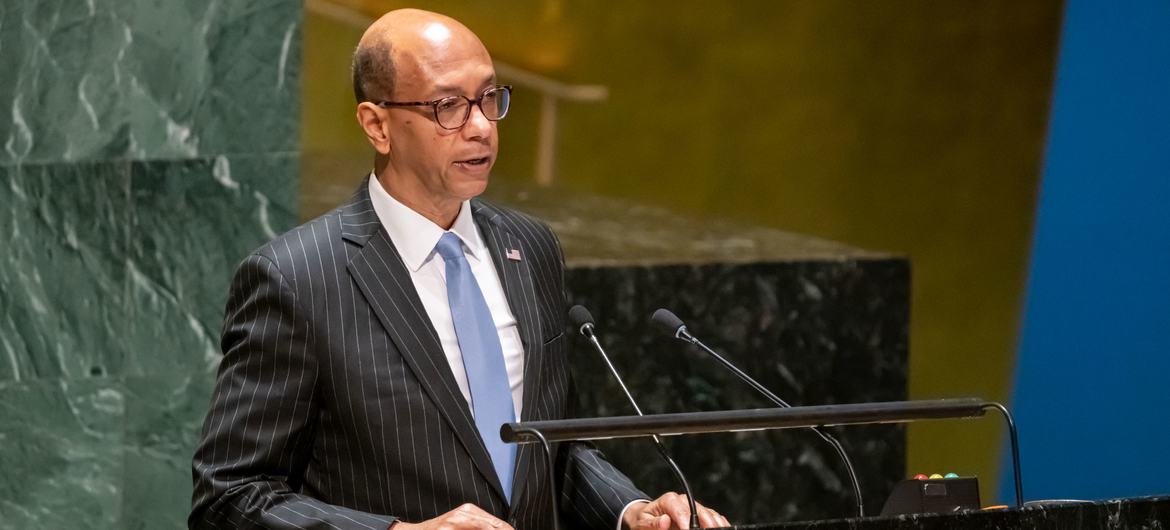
{"x":674,"y":326}
{"x":583,"y":320}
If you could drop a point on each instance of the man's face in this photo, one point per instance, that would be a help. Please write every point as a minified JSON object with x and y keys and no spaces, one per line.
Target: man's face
{"x":447,"y":164}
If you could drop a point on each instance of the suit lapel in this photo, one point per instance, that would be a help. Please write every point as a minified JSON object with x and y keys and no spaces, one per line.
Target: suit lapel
{"x":508,"y":255}
{"x":385,"y":282}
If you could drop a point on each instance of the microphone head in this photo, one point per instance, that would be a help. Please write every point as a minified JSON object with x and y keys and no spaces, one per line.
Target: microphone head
{"x":666,"y":321}
{"x":580,"y":317}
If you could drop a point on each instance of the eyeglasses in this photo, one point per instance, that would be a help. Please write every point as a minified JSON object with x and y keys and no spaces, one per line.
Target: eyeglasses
{"x":452,"y":112}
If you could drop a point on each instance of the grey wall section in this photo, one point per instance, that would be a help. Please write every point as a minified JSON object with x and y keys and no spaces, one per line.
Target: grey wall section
{"x":145,"y":147}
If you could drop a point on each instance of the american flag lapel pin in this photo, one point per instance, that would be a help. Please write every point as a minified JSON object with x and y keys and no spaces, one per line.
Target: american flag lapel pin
{"x":513,"y":254}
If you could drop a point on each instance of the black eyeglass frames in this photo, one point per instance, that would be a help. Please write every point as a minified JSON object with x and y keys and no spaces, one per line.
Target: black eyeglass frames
{"x":452,"y":112}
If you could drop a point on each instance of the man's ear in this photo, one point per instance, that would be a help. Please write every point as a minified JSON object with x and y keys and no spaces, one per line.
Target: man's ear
{"x":375,"y":127}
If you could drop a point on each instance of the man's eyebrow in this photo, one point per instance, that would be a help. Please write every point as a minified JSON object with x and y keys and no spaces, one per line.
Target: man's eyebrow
{"x":447,"y":89}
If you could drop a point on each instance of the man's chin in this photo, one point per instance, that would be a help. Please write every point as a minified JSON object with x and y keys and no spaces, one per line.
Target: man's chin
{"x":471,"y":188}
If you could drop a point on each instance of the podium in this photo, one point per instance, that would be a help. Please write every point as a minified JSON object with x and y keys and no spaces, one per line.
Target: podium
{"x":583,"y":429}
{"x":1145,"y":512}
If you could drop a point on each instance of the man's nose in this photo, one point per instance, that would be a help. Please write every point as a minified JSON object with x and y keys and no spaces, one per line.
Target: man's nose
{"x":477,"y":126}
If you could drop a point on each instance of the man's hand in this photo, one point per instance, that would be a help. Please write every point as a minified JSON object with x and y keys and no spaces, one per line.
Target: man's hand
{"x":466,"y":517}
{"x":670,"y":511}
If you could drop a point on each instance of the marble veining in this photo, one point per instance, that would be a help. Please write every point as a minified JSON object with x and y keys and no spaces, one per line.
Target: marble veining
{"x":136,"y":79}
{"x":62,"y":453}
{"x":145,"y":148}
{"x":108,"y":262}
{"x":843,"y":341}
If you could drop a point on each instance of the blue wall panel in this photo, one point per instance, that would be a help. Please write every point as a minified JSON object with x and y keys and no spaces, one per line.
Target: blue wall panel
{"x":1092,"y":396}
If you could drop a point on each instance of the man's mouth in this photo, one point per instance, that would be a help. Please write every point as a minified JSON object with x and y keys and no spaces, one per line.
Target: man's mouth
{"x":473,"y":161}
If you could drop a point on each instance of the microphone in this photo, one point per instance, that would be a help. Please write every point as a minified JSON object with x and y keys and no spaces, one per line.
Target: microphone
{"x":584,"y":322}
{"x":671,"y":325}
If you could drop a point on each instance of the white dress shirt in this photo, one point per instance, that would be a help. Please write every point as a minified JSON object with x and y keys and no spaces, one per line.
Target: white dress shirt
{"x":415,"y":238}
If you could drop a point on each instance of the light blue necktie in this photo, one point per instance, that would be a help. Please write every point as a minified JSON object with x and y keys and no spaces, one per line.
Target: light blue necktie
{"x":483,"y":357}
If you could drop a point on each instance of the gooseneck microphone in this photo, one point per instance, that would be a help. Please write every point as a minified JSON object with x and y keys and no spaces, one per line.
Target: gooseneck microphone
{"x":583,"y":320}
{"x":672,"y":325}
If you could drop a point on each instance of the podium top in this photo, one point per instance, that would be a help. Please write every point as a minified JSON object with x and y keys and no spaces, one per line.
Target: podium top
{"x":741,"y":420}
{"x":1141,"y":512}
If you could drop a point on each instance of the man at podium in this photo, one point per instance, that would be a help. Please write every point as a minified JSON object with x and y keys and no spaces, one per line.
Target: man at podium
{"x":372,"y":354}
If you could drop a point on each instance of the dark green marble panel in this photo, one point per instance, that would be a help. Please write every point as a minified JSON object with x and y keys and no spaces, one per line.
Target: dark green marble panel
{"x":145,"y":147}
{"x":122,"y":268}
{"x":62,"y":453}
{"x":192,"y":222}
{"x":143,"y":79}
{"x":63,"y":306}
{"x":164,"y":414}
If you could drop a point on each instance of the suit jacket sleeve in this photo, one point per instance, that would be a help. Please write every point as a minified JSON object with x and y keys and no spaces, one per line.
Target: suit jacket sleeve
{"x":255,"y":438}
{"x":593,"y":491}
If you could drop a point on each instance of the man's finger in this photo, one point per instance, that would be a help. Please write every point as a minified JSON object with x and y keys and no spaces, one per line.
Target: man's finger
{"x":705,"y":520}
{"x":717,"y":521}
{"x":707,"y":516}
{"x":679,"y":509}
{"x":472,"y":522}
{"x":474,"y":517}
{"x":480,"y":522}
{"x":469,"y":508}
{"x":652,"y":522}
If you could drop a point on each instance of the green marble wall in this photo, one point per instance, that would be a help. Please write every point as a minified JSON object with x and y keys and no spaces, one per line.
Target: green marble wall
{"x":145,"y":147}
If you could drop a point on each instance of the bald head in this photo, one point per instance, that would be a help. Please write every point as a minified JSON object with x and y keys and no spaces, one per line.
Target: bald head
{"x":403,"y":43}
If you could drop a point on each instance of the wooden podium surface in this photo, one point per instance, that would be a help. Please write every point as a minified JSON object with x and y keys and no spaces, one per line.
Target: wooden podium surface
{"x":1141,"y":512}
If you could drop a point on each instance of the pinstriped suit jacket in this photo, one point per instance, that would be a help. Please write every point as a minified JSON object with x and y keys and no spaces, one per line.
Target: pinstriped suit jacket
{"x":335,"y":407}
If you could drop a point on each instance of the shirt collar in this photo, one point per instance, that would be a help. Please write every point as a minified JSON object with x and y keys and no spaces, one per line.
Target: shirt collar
{"x":415,"y":236}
